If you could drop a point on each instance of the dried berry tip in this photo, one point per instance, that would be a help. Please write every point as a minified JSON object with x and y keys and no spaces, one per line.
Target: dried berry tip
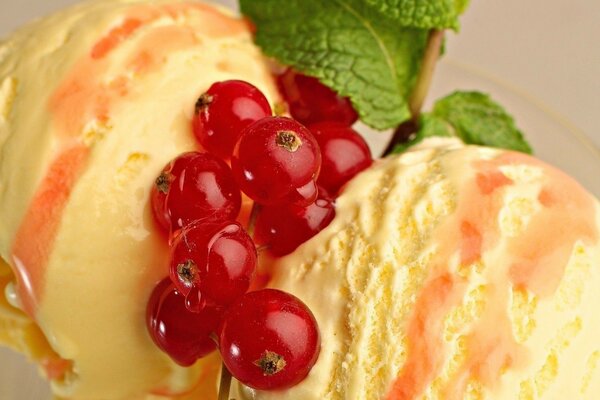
{"x":288,"y":140}
{"x":270,"y":363}
{"x":163,"y":182}
{"x":203,"y":101}
{"x":187,"y":272}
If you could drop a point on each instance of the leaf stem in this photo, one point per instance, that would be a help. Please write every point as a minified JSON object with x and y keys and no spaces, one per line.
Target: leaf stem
{"x":225,"y":383}
{"x":432,"y":54}
{"x":419,"y":94}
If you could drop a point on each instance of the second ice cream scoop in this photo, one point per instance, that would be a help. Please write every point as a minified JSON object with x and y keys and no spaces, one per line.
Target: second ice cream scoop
{"x":456,"y":272}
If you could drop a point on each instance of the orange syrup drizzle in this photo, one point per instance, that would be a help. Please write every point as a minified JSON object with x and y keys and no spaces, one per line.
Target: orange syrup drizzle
{"x":86,"y":95}
{"x":36,"y":234}
{"x":535,"y":260}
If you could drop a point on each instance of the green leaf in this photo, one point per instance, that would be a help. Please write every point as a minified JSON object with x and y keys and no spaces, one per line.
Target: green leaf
{"x":430,"y":126}
{"x":461,"y":5}
{"x":478,"y":119}
{"x":426,"y":14}
{"x":474,"y":118}
{"x":349,"y":46}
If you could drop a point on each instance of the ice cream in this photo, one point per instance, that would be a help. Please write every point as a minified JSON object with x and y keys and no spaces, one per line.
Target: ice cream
{"x":449,"y":272}
{"x":453,"y":273}
{"x":94,"y":101}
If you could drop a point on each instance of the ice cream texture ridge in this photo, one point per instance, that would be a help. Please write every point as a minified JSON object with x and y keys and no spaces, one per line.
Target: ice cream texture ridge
{"x":449,"y":272}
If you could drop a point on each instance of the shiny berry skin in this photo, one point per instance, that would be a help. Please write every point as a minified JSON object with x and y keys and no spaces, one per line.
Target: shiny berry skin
{"x":183,"y":335}
{"x":277,"y":160}
{"x":212,"y":264}
{"x":162,"y":184}
{"x":310,"y":101}
{"x":195,"y":186}
{"x":269,"y":340}
{"x":282,"y":228}
{"x":224,"y":111}
{"x":344,"y":154}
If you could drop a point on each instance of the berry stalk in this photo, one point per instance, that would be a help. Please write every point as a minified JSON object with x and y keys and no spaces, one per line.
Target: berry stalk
{"x":252,"y":219}
{"x":225,"y":383}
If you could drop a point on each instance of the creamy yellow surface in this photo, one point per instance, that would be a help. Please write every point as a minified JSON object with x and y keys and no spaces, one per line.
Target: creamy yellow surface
{"x":362,"y":274}
{"x":107,"y":255}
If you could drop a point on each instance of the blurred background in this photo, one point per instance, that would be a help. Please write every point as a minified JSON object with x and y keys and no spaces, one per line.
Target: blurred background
{"x":545,"y":49}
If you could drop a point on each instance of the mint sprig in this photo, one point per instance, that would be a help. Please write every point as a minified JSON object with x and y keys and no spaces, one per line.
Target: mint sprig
{"x":474,"y":118}
{"x":424,"y":14}
{"x":350,"y":46}
{"x":382,"y":54}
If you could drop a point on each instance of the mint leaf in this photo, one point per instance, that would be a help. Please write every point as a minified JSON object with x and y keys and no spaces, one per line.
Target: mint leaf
{"x":474,"y":118}
{"x":430,"y":125}
{"x":461,"y":5}
{"x":478,"y":119}
{"x":425,"y":14}
{"x":349,"y":46}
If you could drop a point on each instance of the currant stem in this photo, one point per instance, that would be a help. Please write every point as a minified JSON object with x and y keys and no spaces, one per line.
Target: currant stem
{"x":225,"y":383}
{"x":262,"y":248}
{"x":419,"y":93}
{"x":252,"y":220}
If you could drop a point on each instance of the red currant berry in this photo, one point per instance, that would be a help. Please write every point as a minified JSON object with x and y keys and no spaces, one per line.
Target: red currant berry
{"x":224,"y":111}
{"x":310,"y":101}
{"x":344,"y":153}
{"x":285,"y":227}
{"x":212,"y":264}
{"x":195,"y":186}
{"x":277,"y":160}
{"x":181,"y":334}
{"x":269,"y":340}
{"x":158,"y":194}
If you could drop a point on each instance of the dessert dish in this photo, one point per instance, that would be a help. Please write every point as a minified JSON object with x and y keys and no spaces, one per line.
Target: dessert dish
{"x":191,"y":212}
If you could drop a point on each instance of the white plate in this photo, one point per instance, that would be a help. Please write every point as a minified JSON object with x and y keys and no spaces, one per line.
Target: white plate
{"x":553,"y":140}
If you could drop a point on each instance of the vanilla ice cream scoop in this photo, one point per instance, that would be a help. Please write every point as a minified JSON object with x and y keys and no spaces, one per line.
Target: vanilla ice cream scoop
{"x":452,"y":273}
{"x":449,"y":272}
{"x":94,"y":101}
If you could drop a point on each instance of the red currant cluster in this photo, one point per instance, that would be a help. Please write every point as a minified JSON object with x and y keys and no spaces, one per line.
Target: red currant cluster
{"x":268,"y":339}
{"x":343,"y":153}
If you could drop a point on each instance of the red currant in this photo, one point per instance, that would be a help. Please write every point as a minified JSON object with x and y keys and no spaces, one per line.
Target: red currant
{"x":224,"y":111}
{"x":277,"y":160}
{"x":344,"y":153}
{"x":212,"y":264}
{"x":195,"y":186}
{"x":181,"y":334}
{"x":158,"y":195}
{"x":269,"y":340}
{"x":284,"y":227}
{"x":310,"y":101}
